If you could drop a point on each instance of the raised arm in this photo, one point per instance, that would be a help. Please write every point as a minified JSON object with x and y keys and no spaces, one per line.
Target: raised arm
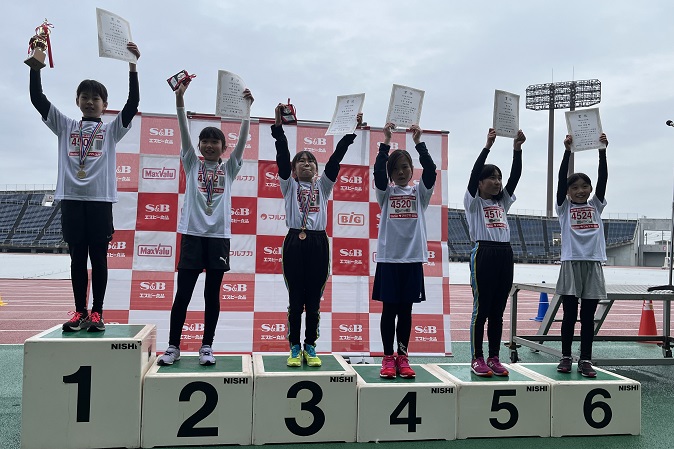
{"x":131,"y":107}
{"x":282,"y":151}
{"x":474,"y":180}
{"x":562,"y":186}
{"x":428,"y":176}
{"x":237,"y":154}
{"x":37,"y":97}
{"x":185,"y":141}
{"x":602,"y":175}
{"x":379,"y":173}
{"x":332,"y":166}
{"x":516,"y":169}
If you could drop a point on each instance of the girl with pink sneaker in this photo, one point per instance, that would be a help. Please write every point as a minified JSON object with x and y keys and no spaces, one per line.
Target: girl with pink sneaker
{"x":402,"y":245}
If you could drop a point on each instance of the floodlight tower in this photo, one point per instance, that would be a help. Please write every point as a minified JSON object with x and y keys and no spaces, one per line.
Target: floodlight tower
{"x":562,"y":95}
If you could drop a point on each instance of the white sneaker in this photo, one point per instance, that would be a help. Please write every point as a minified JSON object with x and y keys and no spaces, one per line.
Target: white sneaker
{"x":170,"y":355}
{"x":206,"y":355}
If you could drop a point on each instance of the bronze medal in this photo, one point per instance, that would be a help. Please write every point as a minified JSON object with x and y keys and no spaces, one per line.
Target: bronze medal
{"x":81,"y":174}
{"x":302,"y":235}
{"x":209,"y":211}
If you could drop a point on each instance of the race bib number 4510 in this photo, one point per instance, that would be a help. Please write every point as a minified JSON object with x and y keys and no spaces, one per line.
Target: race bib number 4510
{"x":494,"y":217}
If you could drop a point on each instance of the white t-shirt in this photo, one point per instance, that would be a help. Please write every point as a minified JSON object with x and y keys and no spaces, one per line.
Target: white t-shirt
{"x":488,"y":219}
{"x":194,"y":220}
{"x":100,"y":180}
{"x":402,"y":228}
{"x":582,"y":230}
{"x":317,"y":218}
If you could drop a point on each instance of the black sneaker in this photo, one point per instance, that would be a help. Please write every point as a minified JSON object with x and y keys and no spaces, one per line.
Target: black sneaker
{"x":78,"y":321}
{"x":96,"y":323}
{"x":585,"y":368}
{"x":564,"y":365}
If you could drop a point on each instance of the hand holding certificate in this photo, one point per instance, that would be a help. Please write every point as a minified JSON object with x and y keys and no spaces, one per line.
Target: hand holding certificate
{"x":344,"y":119}
{"x":230,"y":101}
{"x":404,"y":109}
{"x":506,"y":113}
{"x":114,"y":34}
{"x":584,"y":126}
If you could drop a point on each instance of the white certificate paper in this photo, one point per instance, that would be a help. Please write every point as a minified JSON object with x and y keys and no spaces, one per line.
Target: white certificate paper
{"x":113,"y":35}
{"x":404,"y":109}
{"x":584,"y":126}
{"x":230,"y":101}
{"x":344,"y":119}
{"x":506,"y":113}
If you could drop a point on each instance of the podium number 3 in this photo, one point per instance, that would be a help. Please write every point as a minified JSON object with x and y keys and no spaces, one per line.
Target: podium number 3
{"x":310,"y":406}
{"x":81,"y":377}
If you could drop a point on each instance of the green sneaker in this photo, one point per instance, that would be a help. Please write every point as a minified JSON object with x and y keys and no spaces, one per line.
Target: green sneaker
{"x":295,"y":356}
{"x":310,"y":355}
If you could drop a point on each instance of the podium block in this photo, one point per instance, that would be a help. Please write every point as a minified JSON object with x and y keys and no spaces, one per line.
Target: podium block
{"x":303,"y":404}
{"x":513,"y":406}
{"x":187,"y":404}
{"x":83,"y":389}
{"x":608,"y":404}
{"x":423,"y":408}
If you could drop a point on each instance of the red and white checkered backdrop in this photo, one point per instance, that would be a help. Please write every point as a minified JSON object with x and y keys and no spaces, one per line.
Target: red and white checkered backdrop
{"x":144,"y":252}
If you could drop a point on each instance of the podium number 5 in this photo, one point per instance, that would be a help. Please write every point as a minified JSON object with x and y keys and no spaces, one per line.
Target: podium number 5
{"x":81,"y":377}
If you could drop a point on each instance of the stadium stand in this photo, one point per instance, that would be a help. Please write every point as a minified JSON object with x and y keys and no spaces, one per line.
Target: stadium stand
{"x":29,"y":223}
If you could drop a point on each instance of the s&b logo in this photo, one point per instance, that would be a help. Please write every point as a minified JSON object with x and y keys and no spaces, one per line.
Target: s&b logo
{"x":168,"y":132}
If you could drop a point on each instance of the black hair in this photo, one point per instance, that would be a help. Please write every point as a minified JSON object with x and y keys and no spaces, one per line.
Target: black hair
{"x":310,"y":156}
{"x":211,"y":132}
{"x":576,"y":176}
{"x":487,"y":171}
{"x":393,"y":160}
{"x":93,"y":87}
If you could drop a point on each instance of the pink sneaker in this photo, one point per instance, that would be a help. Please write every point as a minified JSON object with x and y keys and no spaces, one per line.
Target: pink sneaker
{"x":496,"y":367}
{"x":480,"y":368}
{"x":388,"y":367}
{"x":403,"y":367}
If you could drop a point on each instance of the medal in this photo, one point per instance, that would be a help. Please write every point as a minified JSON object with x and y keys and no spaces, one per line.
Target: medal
{"x":85,"y":149}
{"x":209,"y":211}
{"x":81,"y":174}
{"x":302,"y":235}
{"x":208,"y":179}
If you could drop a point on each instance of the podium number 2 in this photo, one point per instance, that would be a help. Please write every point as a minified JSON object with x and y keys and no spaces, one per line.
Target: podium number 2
{"x":81,"y":377}
{"x":309,"y":406}
{"x":187,"y":428}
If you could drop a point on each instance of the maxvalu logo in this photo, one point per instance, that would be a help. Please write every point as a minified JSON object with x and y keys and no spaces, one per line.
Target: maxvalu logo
{"x":158,"y":250}
{"x":159,"y":173}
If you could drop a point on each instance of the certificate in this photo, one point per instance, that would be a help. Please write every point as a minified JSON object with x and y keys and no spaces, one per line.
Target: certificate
{"x":404,"y":109}
{"x":230,"y":101}
{"x":113,"y":35}
{"x":344,"y":119}
{"x":584,"y":126}
{"x":506,"y":113}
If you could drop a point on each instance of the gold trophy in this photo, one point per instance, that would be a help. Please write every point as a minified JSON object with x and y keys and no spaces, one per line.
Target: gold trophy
{"x":39,"y":47}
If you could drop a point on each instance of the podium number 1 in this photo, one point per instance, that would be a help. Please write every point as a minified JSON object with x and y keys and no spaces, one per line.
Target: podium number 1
{"x":81,"y":377}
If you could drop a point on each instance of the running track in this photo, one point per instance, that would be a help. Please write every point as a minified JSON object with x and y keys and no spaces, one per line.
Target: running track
{"x":31,"y":306}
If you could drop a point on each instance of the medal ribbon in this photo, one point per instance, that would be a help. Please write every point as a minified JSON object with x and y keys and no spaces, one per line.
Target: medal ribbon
{"x":85,"y":149}
{"x":208,"y":178}
{"x":305,"y":201}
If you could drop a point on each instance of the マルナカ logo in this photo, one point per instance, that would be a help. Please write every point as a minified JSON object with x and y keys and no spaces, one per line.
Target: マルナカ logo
{"x":159,"y":173}
{"x":315,"y":141}
{"x":276,"y":217}
{"x":158,"y":250}
{"x":278,"y":327}
{"x":158,"y":286}
{"x":240,"y":253}
{"x":194,"y":327}
{"x":240,"y":211}
{"x":117,"y":245}
{"x":350,"y":252}
{"x":426,"y":329}
{"x":162,"y":132}
{"x":351,"y":219}
{"x":270,"y":250}
{"x":351,"y":328}
{"x":234,"y":287}
{"x":157,"y":208}
{"x":123,"y":169}
{"x":351,"y":179}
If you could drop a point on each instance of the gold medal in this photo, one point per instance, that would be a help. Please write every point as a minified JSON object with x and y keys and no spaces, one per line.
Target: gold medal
{"x":81,"y":174}
{"x":302,"y":235}
{"x":209,"y":211}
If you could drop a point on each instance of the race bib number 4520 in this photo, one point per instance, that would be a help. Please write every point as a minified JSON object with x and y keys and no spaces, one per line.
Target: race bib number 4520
{"x":402,"y":206}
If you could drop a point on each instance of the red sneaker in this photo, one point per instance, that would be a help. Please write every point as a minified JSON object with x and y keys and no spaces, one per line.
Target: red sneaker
{"x":388,"y":367}
{"x":403,"y":367}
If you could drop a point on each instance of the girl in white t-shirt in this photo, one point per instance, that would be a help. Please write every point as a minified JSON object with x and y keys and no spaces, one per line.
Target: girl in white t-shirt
{"x":581,"y":276}
{"x":402,"y":246}
{"x":491,"y":260}
{"x":205,"y":226}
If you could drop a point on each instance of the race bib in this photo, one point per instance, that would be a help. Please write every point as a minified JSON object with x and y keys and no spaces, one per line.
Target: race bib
{"x":494,"y":217}
{"x":402,"y":206}
{"x":583,"y":218}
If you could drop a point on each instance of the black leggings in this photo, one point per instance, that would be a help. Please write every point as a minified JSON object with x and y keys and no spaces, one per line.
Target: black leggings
{"x":401,"y":330}
{"x":79,"y":277}
{"x":588,"y":307}
{"x":187,"y":279}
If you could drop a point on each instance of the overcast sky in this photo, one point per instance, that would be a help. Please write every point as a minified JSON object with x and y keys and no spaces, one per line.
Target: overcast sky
{"x":312,"y":51}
